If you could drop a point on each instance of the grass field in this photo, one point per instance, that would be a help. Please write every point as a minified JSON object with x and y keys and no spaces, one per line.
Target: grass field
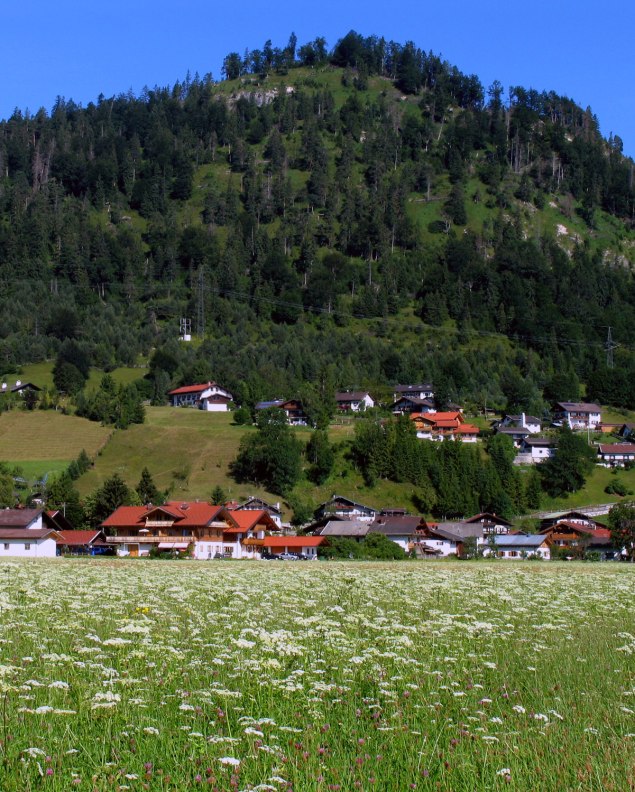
{"x":46,"y":441}
{"x":187,"y":451}
{"x":316,"y":677}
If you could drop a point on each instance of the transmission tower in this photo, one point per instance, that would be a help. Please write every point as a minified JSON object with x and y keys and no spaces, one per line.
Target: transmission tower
{"x":609,"y":345}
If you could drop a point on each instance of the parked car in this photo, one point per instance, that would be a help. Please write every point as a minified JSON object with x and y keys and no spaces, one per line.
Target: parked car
{"x":288,"y":557}
{"x":267,"y":556}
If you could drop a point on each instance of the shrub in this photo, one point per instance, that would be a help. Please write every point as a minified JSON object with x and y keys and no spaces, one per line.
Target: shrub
{"x":617,"y":487}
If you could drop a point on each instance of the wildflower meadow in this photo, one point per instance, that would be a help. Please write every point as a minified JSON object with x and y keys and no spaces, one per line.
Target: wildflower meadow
{"x":227,"y":676}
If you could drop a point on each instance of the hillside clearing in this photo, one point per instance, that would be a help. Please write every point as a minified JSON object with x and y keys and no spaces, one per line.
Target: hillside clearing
{"x":43,"y":435}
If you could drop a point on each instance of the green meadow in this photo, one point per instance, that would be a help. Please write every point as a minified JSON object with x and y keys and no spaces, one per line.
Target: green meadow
{"x":316,"y":676}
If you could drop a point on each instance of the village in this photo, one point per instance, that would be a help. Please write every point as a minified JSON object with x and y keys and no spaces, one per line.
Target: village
{"x":418,"y":403}
{"x":254,"y":529}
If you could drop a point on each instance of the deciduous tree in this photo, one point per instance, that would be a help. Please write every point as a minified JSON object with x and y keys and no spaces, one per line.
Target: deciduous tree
{"x":622,"y":526}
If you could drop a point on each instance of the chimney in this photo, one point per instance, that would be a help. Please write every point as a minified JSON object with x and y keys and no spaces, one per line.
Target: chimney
{"x":524,"y":424}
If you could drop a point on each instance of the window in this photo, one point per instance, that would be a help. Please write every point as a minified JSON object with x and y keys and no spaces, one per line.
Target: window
{"x":6,"y":545}
{"x":27,"y":545}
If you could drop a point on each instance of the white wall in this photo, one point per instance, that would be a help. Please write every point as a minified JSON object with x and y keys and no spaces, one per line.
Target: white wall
{"x":444,"y":545}
{"x":44,"y":548}
{"x":214,"y":406}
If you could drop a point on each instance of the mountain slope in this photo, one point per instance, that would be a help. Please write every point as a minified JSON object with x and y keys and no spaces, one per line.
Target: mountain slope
{"x":354,"y":218}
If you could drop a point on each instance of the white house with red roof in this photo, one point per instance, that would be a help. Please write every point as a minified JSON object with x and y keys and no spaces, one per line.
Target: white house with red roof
{"x":208,"y":396}
{"x":247,"y":533}
{"x":200,"y":530}
{"x":466,"y":433}
{"x":579,"y":539}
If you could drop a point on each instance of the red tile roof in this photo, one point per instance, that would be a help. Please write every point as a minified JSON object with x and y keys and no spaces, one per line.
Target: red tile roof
{"x":247,"y":519}
{"x":186,"y":514}
{"x":617,"y":448}
{"x":193,"y":512}
{"x":125,"y":516}
{"x":191,"y":389}
{"x":293,"y":541}
{"x":74,"y":538}
{"x":441,"y":420}
{"x":467,"y":429}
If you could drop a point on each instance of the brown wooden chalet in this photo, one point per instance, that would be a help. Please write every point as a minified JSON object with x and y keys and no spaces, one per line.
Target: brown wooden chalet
{"x":580,"y":539}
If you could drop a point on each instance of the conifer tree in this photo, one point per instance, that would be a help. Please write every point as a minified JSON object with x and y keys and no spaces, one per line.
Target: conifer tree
{"x":147,"y":489}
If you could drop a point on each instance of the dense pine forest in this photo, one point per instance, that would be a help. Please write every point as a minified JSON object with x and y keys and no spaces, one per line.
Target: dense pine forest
{"x":346,"y":217}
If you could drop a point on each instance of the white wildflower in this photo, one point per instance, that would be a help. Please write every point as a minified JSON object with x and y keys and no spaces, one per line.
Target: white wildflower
{"x":34,"y":752}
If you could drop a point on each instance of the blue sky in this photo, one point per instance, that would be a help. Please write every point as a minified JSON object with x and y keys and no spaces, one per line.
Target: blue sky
{"x":579,"y":48}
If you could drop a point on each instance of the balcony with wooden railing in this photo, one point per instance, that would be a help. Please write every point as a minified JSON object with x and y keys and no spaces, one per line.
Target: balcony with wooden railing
{"x":143,"y":539}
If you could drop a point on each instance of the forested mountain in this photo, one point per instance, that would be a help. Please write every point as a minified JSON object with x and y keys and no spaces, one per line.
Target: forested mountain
{"x":353,"y":217}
